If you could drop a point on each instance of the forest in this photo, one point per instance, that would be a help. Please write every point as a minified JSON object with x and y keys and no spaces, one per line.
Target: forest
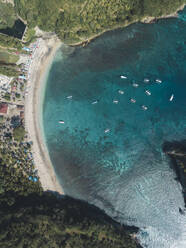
{"x":79,"y":20}
{"x":32,"y":218}
{"x":49,"y":222}
{"x":7,"y":15}
{"x":10,"y":42}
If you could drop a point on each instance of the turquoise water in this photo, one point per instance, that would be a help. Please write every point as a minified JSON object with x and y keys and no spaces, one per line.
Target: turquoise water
{"x":123,"y":171}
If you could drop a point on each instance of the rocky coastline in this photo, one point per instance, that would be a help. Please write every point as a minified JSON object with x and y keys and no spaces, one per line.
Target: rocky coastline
{"x":176,"y":150}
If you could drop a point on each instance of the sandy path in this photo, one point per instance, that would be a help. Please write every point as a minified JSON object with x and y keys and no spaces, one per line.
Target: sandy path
{"x":41,"y":62}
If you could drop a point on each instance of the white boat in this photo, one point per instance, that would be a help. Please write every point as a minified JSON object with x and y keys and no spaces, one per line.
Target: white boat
{"x":94,"y":102}
{"x":121,"y":92}
{"x":158,"y":81}
{"x":148,"y":92}
{"x":133,"y":100}
{"x":124,"y":77}
{"x":146,"y":80}
{"x":107,"y":130}
{"x":135,"y":85}
{"x":115,"y":101}
{"x":61,"y":122}
{"x":144,"y":107}
{"x":171,"y":98}
{"x":69,"y":97}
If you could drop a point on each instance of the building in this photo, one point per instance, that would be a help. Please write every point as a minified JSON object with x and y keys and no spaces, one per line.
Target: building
{"x":14,"y":88}
{"x":3,"y":108}
{"x":22,"y":77}
{"x":20,"y":107}
{"x":21,"y":115}
{"x":27,"y":49}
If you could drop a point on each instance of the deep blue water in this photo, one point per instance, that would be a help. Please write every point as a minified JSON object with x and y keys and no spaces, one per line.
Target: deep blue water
{"x":123,"y":171}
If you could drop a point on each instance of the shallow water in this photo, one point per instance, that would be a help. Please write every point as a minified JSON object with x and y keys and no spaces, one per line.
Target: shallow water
{"x":123,"y":171}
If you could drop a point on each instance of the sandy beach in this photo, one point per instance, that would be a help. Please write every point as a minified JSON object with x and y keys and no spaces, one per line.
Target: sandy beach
{"x":41,"y":61}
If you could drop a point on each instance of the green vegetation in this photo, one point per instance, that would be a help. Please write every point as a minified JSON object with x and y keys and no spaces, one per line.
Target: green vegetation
{"x":8,"y":70}
{"x":19,"y":133}
{"x":78,"y":20}
{"x":47,"y":222}
{"x":32,"y":218}
{"x":29,"y":35}
{"x":7,"y":63}
{"x":7,"y":57}
{"x":7,"y":96}
{"x":10,"y":42}
{"x":16,"y":166}
{"x":7,"y":15}
{"x":22,"y":87}
{"x":17,"y":95}
{"x":41,"y":13}
{"x":161,"y":7}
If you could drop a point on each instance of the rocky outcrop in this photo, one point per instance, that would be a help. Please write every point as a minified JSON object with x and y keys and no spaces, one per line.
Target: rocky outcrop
{"x":177,"y":152}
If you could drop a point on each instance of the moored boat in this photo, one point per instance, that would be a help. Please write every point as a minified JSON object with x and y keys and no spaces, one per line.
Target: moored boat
{"x":133,"y":100}
{"x":135,"y":85}
{"x":69,"y":97}
{"x":171,"y":98}
{"x":107,"y":130}
{"x":94,"y":102}
{"x":146,"y":80}
{"x":158,"y":81}
{"x":121,"y":92}
{"x":148,"y":92}
{"x":144,"y":107}
{"x":124,"y":77}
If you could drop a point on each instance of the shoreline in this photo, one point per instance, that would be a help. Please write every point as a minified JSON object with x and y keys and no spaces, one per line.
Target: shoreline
{"x":147,"y":20}
{"x":151,"y":19}
{"x":176,"y":151}
{"x":41,"y":63}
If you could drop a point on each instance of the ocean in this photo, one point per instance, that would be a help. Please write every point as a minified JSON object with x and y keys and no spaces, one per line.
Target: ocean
{"x":108,"y":151}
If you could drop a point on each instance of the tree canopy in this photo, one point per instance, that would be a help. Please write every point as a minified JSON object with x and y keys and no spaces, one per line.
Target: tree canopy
{"x":7,"y":15}
{"x":78,"y":20}
{"x":48,"y":222}
{"x":32,"y":218}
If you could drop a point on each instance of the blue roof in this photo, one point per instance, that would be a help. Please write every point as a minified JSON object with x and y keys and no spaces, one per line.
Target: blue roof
{"x":26,"y":48}
{"x":35,"y":179}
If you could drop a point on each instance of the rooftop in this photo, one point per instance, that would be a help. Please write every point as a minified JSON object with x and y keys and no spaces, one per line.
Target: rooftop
{"x":3,"y":108}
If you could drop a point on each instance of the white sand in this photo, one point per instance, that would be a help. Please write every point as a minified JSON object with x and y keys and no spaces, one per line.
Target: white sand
{"x":41,"y":62}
